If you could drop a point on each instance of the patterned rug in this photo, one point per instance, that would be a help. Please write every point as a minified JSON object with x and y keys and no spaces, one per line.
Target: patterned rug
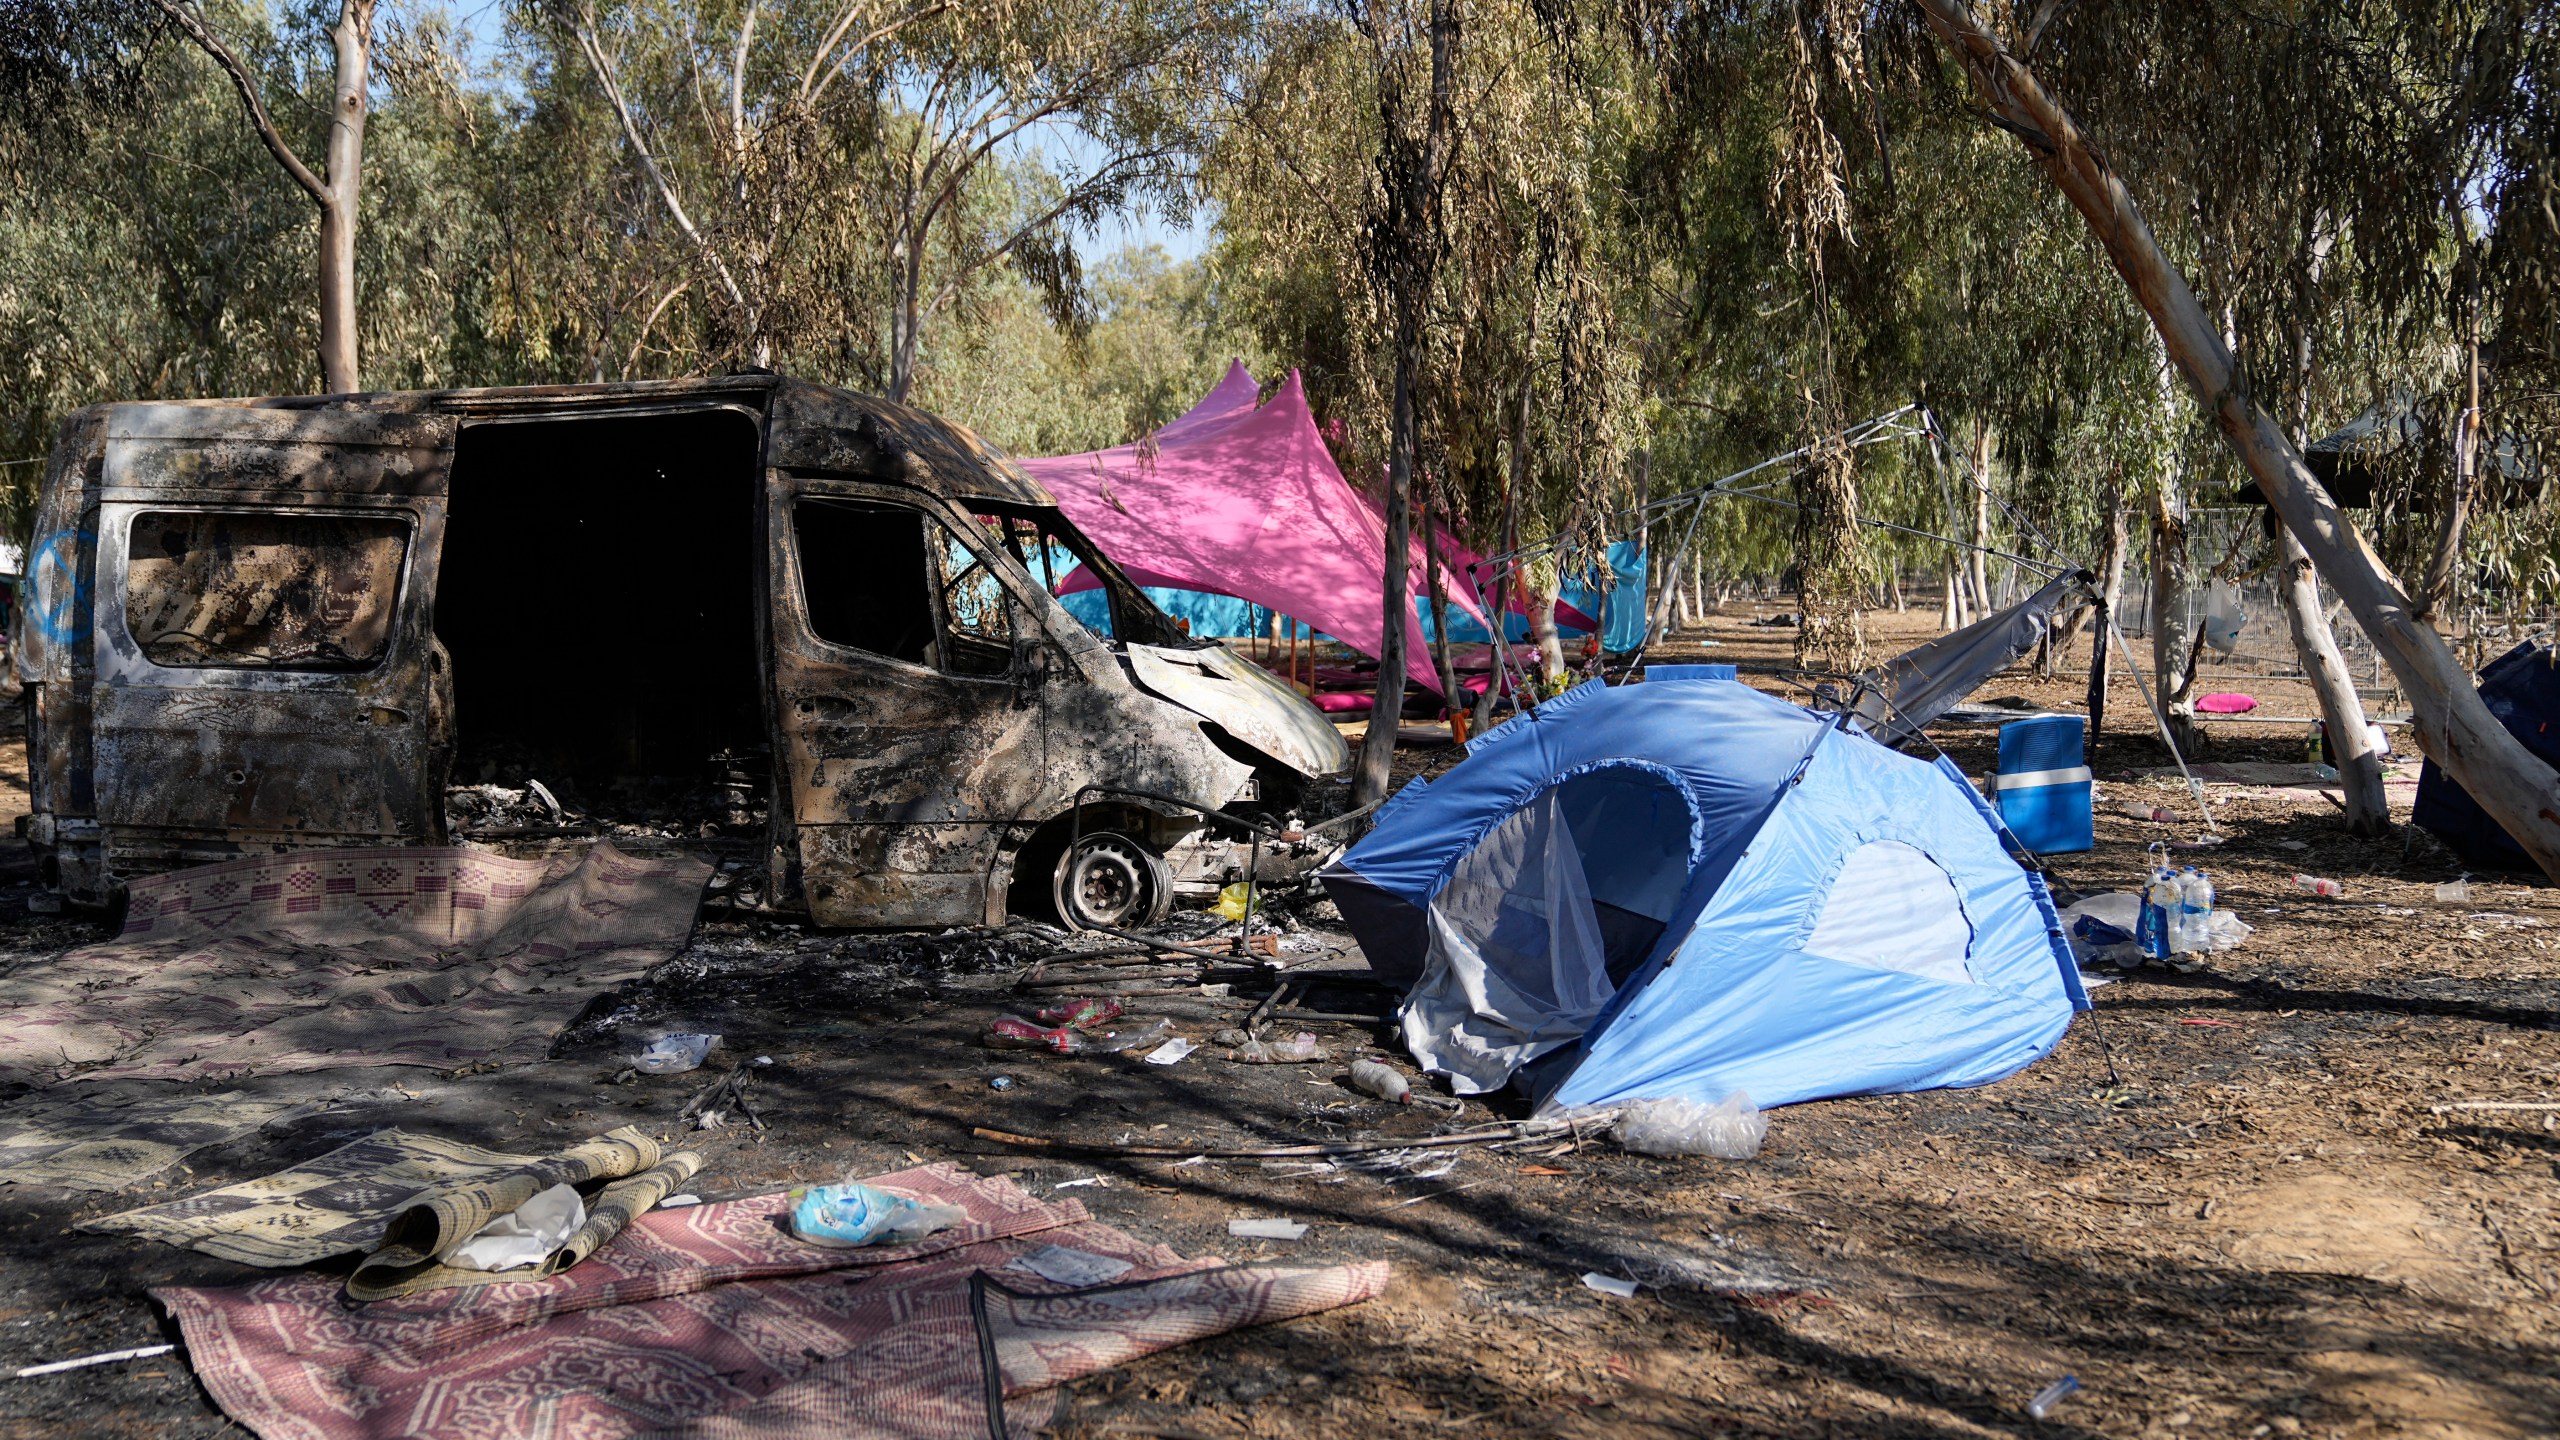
{"x":415,"y":1196}
{"x":713,"y":1322}
{"x":92,"y":1141}
{"x":331,"y":958}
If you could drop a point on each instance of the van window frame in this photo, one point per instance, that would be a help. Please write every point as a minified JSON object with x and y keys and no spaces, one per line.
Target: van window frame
{"x":121,"y":656}
{"x":799,"y":489}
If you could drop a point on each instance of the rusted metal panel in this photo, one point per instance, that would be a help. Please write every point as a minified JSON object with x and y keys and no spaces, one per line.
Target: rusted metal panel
{"x":906,"y":781}
{"x":331,"y":454}
{"x":262,"y":625}
{"x":820,"y":429}
{"x":1240,"y":696}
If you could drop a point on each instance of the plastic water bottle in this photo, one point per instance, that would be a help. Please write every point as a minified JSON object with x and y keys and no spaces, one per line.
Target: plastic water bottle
{"x":2194,"y":928}
{"x":2159,"y":913}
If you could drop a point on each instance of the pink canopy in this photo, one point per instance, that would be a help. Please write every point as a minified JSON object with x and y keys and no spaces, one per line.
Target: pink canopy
{"x":1244,"y":500}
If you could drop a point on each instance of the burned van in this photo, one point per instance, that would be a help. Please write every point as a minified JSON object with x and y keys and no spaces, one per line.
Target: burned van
{"x":256,"y":625}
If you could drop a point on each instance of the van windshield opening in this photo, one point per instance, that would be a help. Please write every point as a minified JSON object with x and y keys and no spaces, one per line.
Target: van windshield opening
{"x":1066,"y":564}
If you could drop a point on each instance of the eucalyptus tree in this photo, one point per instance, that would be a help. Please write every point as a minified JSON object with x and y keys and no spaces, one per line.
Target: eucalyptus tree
{"x":2459,"y":733}
{"x":851,"y":172}
{"x":336,"y":187}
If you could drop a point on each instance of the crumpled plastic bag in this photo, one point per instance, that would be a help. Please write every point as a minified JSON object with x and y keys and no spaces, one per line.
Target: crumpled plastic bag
{"x":525,"y":1235}
{"x":853,"y":1214}
{"x":1299,"y":1049}
{"x":1731,"y":1129}
{"x":674,"y":1054}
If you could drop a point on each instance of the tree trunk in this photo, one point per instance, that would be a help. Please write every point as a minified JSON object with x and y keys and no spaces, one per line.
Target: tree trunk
{"x":2351,"y":746}
{"x":1505,"y":587}
{"x":2172,"y":626}
{"x":1542,"y":628}
{"x":1978,"y":564}
{"x":1450,"y":694}
{"x":1415,"y":217}
{"x":2517,"y":789}
{"x":2102,"y":623}
{"x":1378,"y":747}
{"x":2435,"y":593}
{"x":353,"y":38}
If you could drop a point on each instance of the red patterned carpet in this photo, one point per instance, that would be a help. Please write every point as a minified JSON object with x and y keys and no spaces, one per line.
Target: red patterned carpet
{"x":715,"y":1322}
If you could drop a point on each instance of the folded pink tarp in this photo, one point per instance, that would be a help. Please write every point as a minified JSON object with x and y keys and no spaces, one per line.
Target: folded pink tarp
{"x":1241,"y":499}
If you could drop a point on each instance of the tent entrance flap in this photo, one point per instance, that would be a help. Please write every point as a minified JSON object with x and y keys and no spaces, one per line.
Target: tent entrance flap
{"x":1541,"y":922}
{"x":1516,"y":966}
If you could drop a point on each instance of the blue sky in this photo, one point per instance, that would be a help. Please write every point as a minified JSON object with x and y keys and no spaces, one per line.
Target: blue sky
{"x":481,"y":21}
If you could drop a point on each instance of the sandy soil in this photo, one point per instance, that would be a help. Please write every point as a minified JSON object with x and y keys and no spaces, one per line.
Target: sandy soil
{"x":2226,"y":1204}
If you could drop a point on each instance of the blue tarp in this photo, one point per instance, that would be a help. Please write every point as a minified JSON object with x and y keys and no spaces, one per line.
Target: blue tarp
{"x":1620,"y":608}
{"x":1211,"y":616}
{"x":1783,"y":906}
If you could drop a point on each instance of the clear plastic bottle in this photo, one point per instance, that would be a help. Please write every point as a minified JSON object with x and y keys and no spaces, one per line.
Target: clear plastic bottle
{"x":2194,"y":929}
{"x":2159,"y":913}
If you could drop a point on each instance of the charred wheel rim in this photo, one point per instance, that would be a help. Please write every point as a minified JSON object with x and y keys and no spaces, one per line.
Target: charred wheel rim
{"x":1111,"y":880}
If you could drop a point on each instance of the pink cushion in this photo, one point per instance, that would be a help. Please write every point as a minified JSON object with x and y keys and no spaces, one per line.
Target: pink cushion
{"x":1343,"y":702}
{"x":2226,"y":704}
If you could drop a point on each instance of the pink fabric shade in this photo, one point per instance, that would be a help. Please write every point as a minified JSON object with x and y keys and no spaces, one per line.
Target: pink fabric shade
{"x":1241,"y":499}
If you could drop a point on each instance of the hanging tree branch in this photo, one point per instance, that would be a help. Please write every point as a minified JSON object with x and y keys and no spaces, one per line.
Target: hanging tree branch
{"x":2459,"y":733}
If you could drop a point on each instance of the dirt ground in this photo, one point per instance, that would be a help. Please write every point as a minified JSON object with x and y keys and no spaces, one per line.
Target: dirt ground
{"x":2228,"y":1203}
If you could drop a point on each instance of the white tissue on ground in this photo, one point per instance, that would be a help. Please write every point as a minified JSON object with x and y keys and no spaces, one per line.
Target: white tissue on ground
{"x":526,"y":1235}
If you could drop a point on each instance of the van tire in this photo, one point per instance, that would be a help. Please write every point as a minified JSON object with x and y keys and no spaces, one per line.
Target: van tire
{"x":1108,"y":881}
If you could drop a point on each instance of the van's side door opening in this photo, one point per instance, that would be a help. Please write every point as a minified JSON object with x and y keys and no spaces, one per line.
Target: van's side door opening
{"x":599,"y":604}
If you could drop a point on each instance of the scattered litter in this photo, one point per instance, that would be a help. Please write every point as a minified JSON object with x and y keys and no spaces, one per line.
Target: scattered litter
{"x":674,"y":1054}
{"x":1297,"y":1050}
{"x":2226,"y":704}
{"x":1382,"y":1081}
{"x":2050,"y":1398}
{"x":1541,"y":1170}
{"x":1231,"y":901}
{"x":1010,"y":1032}
{"x":1075,"y":1184}
{"x":1171,"y":1051}
{"x":1610,"y":1285}
{"x":84,"y":1362}
{"x":1071,"y":1267}
{"x":1082,"y":1013}
{"x":2225,"y":1024}
{"x":525,"y":1236}
{"x":2291,"y":845}
{"x":679,"y":1202}
{"x":1001,"y":1082}
{"x":2452,"y":1106}
{"x":2454,"y":892}
{"x":764,"y":1060}
{"x":1230,"y":1038}
{"x":2315,"y":885}
{"x":854,"y":1214}
{"x":1732,"y":1129}
{"x":1273,"y":1229}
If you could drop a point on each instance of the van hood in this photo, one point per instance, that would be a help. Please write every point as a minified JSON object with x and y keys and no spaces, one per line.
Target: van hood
{"x":1246,"y":701}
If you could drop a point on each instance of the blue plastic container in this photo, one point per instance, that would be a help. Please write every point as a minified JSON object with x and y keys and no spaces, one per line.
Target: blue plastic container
{"x":1691,"y":672}
{"x":2043,"y":784}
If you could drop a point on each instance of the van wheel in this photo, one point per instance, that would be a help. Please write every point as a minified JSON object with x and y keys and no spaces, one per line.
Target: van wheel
{"x":1111,"y":881}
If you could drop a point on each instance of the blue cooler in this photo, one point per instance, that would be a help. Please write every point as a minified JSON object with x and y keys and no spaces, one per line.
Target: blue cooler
{"x":1691,"y":672}
{"x":2043,"y":785}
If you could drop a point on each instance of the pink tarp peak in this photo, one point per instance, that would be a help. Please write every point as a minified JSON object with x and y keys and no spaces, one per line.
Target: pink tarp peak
{"x":1241,"y":499}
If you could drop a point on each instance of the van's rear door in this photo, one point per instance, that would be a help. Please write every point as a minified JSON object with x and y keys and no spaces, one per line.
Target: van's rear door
{"x":267,"y":672}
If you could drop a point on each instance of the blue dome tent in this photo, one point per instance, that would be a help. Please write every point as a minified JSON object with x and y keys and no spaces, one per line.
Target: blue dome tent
{"x":1688,"y":888}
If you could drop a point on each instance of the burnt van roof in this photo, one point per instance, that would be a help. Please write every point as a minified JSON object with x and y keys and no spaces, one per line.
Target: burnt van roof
{"x":809,"y":426}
